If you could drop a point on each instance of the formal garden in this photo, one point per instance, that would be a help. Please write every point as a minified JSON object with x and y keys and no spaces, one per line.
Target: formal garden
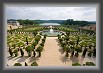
{"x":30,"y":42}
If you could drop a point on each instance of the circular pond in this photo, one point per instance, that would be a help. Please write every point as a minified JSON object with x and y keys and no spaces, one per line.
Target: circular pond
{"x":51,"y":32}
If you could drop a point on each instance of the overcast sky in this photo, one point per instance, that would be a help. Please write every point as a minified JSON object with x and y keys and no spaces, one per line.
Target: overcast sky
{"x":52,"y":13}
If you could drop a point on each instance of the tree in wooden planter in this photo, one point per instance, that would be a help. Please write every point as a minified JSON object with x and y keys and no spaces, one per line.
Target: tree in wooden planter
{"x":10,"y":51}
{"x":39,"y":50}
{"x":37,"y":38}
{"x":78,"y":49}
{"x":34,"y":44}
{"x":26,"y":64}
{"x":34,"y":53}
{"x":34,"y":64}
{"x":22,"y":52}
{"x":17,"y":64}
{"x":15,"y":52}
{"x":29,"y":50}
{"x":84,"y":52}
{"x":72,"y":54}
{"x":67,"y":51}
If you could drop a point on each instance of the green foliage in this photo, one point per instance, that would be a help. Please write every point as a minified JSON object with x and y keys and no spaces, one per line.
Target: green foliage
{"x":27,"y":22}
{"x":29,"y":48}
{"x":34,"y":64}
{"x":39,"y":49}
{"x":34,"y":44}
{"x":17,"y":64}
{"x":76,"y":64}
{"x":42,"y":44}
{"x":71,"y":42}
{"x":72,"y":22}
{"x":37,"y":38}
{"x":63,"y":43}
{"x":15,"y":51}
{"x":90,"y":64}
{"x":35,"y":33}
{"x":78,"y":49}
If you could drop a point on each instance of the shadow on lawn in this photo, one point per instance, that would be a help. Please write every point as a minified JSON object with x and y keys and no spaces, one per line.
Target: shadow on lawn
{"x":61,"y":51}
{"x":22,"y":59}
{"x":9,"y":58}
{"x":74,"y":59}
{"x":33,"y":59}
{"x":64,"y":59}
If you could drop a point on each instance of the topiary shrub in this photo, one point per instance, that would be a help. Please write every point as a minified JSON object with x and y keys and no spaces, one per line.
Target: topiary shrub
{"x":15,"y":52}
{"x":17,"y":64}
{"x":76,"y":64}
{"x":34,"y":64}
{"x":90,"y":64}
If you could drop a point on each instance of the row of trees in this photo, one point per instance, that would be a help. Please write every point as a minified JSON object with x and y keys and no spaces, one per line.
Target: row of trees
{"x":32,"y":64}
{"x":74,"y":48}
{"x":86,"y":64}
{"x":30,"y":48}
{"x":72,"y":22}
{"x":27,"y":22}
{"x":40,"y":47}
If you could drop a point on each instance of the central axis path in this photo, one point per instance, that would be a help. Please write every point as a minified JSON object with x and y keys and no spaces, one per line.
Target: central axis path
{"x":52,"y":54}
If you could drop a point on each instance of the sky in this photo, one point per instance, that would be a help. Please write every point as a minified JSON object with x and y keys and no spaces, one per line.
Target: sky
{"x":52,"y":13}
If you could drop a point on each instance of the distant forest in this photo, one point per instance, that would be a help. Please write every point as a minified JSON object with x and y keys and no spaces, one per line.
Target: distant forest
{"x":62,"y":22}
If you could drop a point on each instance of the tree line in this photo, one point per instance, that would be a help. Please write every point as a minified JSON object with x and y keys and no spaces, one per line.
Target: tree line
{"x":72,"y":22}
{"x":27,"y":22}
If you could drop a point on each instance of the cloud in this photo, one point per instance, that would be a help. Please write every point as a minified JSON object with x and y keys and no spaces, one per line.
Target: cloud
{"x":77,"y":13}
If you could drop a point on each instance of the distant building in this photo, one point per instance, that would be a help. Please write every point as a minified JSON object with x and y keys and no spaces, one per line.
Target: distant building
{"x":13,"y":22}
